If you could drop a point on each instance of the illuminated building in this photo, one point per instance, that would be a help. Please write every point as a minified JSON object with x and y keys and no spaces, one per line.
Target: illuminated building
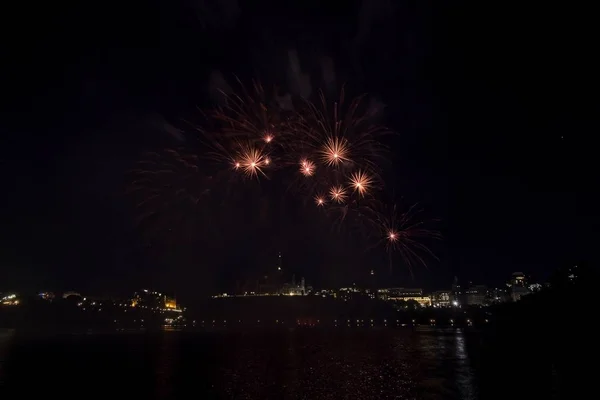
{"x":517,"y":292}
{"x":518,"y":286}
{"x":518,"y":279}
{"x":152,"y":300}
{"x":476,"y":295}
{"x":10,"y":300}
{"x":293,"y":289}
{"x":442,"y":298}
{"x":498,"y":295}
{"x":386,"y":293}
{"x":170,"y":303}
{"x":424,"y":301}
{"x":457,"y":295}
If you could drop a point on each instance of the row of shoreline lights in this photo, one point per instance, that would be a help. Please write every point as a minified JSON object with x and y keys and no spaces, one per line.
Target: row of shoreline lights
{"x":298,"y":322}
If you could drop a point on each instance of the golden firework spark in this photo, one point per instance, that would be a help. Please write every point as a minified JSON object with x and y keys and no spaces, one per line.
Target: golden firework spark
{"x":334,"y":151}
{"x":252,"y":162}
{"x":307,"y":167}
{"x":320,"y":200}
{"x":361,"y":182}
{"x":402,"y":233}
{"x":338,"y":194}
{"x":392,"y":236}
{"x":268,"y":138}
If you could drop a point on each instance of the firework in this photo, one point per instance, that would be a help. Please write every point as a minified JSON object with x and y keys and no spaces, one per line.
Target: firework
{"x":252,"y":161}
{"x":320,"y":200}
{"x":402,"y":233}
{"x":307,"y":167}
{"x":335,"y":146}
{"x":268,"y":137}
{"x":341,"y":134}
{"x":338,"y":194}
{"x":335,"y":151}
{"x":249,"y":115}
{"x":361,"y":182}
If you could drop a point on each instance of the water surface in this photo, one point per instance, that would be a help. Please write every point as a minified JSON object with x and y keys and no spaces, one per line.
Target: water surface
{"x":297,"y":364}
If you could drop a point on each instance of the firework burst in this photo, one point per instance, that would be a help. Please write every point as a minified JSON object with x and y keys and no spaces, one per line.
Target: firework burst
{"x":335,"y":151}
{"x":268,"y":137}
{"x":335,"y":147}
{"x":307,"y":167}
{"x":338,"y":194}
{"x":361,"y":182}
{"x":252,"y":161}
{"x":403,"y":232}
{"x":320,"y":200}
{"x":342,"y":134}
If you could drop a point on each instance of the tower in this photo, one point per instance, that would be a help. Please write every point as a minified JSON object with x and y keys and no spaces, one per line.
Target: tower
{"x":279,"y":262}
{"x":456,"y":292}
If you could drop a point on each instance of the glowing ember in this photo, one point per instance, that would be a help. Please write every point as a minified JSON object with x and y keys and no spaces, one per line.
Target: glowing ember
{"x":320,"y":200}
{"x":307,"y":168}
{"x":338,"y":194}
{"x":334,"y":151}
{"x":361,"y":182}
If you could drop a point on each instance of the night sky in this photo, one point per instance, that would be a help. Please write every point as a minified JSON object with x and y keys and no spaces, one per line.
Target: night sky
{"x":494,"y":106}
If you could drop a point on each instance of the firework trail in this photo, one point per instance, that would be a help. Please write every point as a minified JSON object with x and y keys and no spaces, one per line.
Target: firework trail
{"x":170,"y":191}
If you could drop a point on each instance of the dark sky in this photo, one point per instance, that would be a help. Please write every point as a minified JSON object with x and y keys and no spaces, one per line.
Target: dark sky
{"x":494,"y":105}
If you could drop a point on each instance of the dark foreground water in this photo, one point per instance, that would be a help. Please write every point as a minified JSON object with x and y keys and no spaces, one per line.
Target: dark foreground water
{"x":298,"y":364}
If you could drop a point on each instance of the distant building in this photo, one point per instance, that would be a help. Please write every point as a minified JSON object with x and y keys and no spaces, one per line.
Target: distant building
{"x":498,"y":295}
{"x":152,"y":300}
{"x":518,"y":286}
{"x":518,"y":279}
{"x":442,"y":298}
{"x":424,"y":301}
{"x":476,"y":295}
{"x":457,"y":294}
{"x":293,"y":289}
{"x":348,"y":293}
{"x":399,"y":292}
{"x":517,"y":292}
{"x":404,"y":294}
{"x":170,"y":303}
{"x":10,"y":299}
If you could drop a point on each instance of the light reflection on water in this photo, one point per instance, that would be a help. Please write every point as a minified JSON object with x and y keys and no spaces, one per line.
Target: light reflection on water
{"x":309,"y":364}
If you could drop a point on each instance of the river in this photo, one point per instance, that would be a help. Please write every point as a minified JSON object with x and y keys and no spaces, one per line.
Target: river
{"x":286,"y":364}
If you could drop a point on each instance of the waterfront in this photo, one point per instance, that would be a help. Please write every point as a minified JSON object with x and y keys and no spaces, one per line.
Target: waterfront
{"x":283,"y":364}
